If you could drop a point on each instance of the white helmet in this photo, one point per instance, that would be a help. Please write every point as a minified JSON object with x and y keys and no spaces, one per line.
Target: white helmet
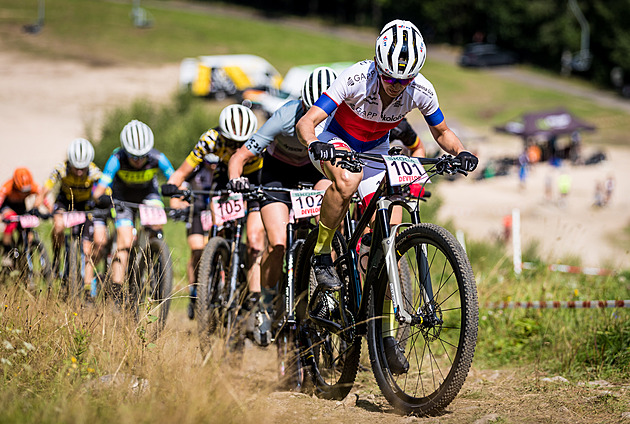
{"x":317,"y":82}
{"x":80,"y":153}
{"x":237,"y":123}
{"x":400,"y":50}
{"x":136,"y":138}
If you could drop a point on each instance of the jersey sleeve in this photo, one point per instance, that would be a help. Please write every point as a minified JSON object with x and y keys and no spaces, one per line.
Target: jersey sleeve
{"x":428,"y":105}
{"x":338,"y":90}
{"x":109,"y":172}
{"x":207,"y":144}
{"x":165,"y":166}
{"x":94,"y":173}
{"x":55,"y":176}
{"x":282,"y":122}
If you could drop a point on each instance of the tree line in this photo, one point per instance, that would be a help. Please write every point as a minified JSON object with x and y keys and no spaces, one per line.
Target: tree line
{"x":542,"y":32}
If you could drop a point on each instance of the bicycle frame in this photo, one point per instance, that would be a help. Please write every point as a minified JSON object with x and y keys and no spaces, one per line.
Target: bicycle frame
{"x":380,"y":206}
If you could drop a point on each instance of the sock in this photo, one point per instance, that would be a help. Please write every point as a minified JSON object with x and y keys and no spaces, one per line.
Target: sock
{"x":324,"y":240}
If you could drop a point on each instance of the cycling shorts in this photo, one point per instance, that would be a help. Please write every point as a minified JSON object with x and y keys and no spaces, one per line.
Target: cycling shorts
{"x":276,"y":173}
{"x":18,"y":207}
{"x":373,"y":172}
{"x":125,"y":216}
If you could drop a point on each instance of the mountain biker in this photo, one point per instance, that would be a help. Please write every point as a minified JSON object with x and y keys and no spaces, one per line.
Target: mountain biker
{"x":285,"y":164}
{"x":369,"y":99}
{"x":13,"y":194}
{"x":236,"y":125}
{"x":73,"y":180}
{"x":131,"y":172}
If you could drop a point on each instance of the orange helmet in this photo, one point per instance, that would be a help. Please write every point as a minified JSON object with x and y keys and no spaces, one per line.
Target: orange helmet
{"x":22,"y":180}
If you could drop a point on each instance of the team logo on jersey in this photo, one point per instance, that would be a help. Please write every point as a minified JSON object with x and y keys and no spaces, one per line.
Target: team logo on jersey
{"x":371,"y":99}
{"x":350,"y":82}
{"x":385,"y":41}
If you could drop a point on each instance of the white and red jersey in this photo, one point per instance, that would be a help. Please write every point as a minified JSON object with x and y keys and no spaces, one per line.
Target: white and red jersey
{"x":359,"y":118}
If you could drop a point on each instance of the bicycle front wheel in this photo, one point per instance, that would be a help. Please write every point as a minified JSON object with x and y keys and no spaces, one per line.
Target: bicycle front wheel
{"x":439,"y":345}
{"x":211,"y":283}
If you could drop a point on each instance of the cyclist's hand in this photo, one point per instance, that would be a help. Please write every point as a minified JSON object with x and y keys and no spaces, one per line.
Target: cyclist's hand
{"x":238,"y":184}
{"x":468,"y":161}
{"x":104,"y":202}
{"x":169,"y":189}
{"x":322,"y":151}
{"x":33,"y":211}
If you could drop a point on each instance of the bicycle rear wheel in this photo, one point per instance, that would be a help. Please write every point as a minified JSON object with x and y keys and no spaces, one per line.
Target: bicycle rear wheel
{"x":211,"y":283}
{"x":331,"y":357}
{"x":440,"y":345}
{"x":154,"y":282}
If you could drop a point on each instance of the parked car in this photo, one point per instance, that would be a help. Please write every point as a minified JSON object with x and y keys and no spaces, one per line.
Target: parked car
{"x":227,"y":75}
{"x":486,"y":54}
{"x":291,"y":88}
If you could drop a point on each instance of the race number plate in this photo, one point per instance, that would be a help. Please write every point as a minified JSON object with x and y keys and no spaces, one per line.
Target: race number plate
{"x":206,"y":220}
{"x":404,"y":170}
{"x":228,"y":209}
{"x":152,"y":215}
{"x":72,"y":219}
{"x":306,"y":202}
{"x":29,"y":221}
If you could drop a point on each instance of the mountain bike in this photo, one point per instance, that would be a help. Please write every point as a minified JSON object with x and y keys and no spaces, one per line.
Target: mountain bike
{"x":73,"y":265}
{"x":222,"y":277}
{"x":149,"y":268}
{"x":421,"y":372}
{"x":306,"y":203}
{"x":29,"y":255}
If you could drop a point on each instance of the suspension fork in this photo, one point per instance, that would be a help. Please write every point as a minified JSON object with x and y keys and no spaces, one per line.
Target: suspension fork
{"x":388,"y":236}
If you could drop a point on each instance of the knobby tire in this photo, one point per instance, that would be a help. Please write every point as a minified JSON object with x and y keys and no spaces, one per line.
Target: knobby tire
{"x":439,"y":355}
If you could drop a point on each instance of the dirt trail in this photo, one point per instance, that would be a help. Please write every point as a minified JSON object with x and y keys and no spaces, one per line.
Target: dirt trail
{"x":46,"y":104}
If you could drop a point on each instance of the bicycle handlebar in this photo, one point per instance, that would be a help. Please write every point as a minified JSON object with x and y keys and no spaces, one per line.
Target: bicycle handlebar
{"x":354,"y":162}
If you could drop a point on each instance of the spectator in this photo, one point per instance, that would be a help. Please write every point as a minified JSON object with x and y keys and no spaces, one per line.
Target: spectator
{"x":564,"y":187}
{"x":609,"y":187}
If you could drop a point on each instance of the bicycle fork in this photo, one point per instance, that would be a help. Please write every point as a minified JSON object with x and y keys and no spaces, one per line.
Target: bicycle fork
{"x":236,"y":264}
{"x":427,"y":317}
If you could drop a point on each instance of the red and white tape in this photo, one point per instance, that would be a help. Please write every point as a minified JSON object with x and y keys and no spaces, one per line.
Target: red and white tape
{"x":572,"y":269}
{"x":570,"y":304}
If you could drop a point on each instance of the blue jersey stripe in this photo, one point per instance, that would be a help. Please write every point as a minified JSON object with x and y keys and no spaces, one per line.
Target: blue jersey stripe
{"x":326,"y":103}
{"x":435,"y":118}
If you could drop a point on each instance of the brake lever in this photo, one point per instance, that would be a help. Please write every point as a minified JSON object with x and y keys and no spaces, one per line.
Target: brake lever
{"x":354,"y":167}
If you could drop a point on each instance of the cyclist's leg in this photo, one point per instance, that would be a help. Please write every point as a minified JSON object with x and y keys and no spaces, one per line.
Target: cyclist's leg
{"x":196,"y":242}
{"x":255,"y":247}
{"x":58,"y":227}
{"x":337,"y":197}
{"x":124,"y":240}
{"x":275,"y":217}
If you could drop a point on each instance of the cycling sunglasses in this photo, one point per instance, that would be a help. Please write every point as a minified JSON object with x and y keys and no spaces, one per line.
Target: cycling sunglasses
{"x":137,"y":158}
{"x":390,"y":80}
